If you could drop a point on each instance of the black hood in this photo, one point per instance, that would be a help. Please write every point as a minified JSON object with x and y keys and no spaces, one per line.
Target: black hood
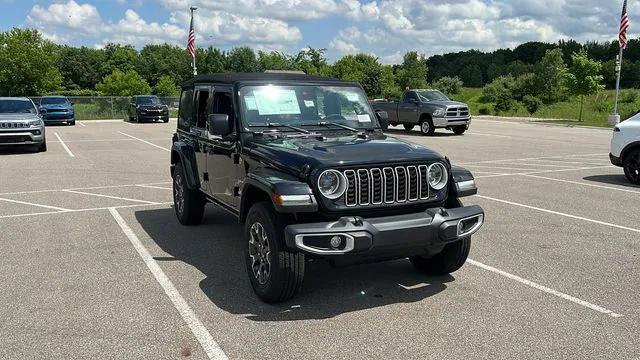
{"x":339,"y":151}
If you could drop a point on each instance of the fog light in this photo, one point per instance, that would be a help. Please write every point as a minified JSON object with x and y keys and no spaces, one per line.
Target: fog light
{"x":336,"y":242}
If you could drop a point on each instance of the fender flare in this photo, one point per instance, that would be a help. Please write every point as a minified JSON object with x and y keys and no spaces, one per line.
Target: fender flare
{"x":463,"y":182}
{"x":183,"y":153}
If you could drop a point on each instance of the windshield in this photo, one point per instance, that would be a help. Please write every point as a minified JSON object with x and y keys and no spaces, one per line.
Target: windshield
{"x":148,"y":100}
{"x":306,"y":105}
{"x":432,"y":95}
{"x":17,"y":107}
{"x":53,"y":101}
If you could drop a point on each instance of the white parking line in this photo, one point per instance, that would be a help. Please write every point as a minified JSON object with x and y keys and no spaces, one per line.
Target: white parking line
{"x":64,"y":145}
{"x":560,"y":213}
{"x":531,"y":158}
{"x":545,"y":171}
{"x":112,"y":197}
{"x":155,"y":187}
{"x":33,"y":204}
{"x":82,"y":124}
{"x":537,"y":286}
{"x":210,"y":346}
{"x":82,"y":188}
{"x":558,"y":161}
{"x":79,"y":210}
{"x":582,"y":183}
{"x":144,"y":141}
{"x":501,"y":167}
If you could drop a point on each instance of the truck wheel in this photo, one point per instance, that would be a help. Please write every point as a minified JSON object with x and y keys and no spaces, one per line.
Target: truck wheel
{"x":43,"y":147}
{"x":426,"y":127}
{"x":452,"y":257}
{"x":408,"y":127}
{"x":459,"y":130}
{"x":188,"y":204}
{"x":631,"y":165}
{"x":276,"y":274}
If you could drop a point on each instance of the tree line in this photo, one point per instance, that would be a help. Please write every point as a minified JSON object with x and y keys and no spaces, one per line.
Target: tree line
{"x":32,"y":65}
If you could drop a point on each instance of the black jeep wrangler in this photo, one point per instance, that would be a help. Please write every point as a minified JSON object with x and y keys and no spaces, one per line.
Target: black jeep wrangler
{"x":303,"y":164}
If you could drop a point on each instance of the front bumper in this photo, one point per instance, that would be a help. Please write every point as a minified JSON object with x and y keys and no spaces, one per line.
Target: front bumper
{"x":443,"y":122}
{"x":153,"y":116}
{"x":402,"y":235}
{"x":26,"y":137}
{"x":615,"y":160}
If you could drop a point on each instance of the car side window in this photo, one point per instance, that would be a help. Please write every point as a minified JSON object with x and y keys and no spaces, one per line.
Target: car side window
{"x":408,"y":96}
{"x":223,"y":104}
{"x":202,"y":101}
{"x":185,"y":113}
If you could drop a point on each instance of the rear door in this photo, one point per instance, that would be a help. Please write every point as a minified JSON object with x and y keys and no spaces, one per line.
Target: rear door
{"x":201,"y":109}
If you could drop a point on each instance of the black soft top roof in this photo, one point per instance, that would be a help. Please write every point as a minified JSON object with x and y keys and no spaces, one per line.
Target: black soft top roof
{"x":233,"y":78}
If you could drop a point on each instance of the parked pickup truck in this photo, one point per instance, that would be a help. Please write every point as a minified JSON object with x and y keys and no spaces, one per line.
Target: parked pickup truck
{"x":430,"y":109}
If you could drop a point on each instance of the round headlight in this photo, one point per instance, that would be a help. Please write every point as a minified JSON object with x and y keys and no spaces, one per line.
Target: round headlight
{"x":438,"y":176}
{"x":332,"y":184}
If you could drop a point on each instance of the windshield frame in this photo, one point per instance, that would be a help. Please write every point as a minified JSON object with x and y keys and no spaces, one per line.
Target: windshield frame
{"x":63,"y":100}
{"x":27,"y":101}
{"x":249,"y":128}
{"x":426,"y":99}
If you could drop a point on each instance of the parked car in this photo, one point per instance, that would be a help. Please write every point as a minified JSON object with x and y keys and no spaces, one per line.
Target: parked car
{"x":625,"y":148}
{"x":21,"y":124}
{"x":147,"y":108}
{"x":302,"y":163}
{"x":57,"y":110}
{"x":427,"y":108}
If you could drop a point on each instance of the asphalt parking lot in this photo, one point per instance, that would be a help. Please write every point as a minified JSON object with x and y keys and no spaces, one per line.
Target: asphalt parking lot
{"x":95,"y":265}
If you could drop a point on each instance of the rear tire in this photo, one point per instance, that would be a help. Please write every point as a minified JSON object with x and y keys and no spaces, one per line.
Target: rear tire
{"x":426,"y":127}
{"x":459,"y":130}
{"x":276,"y":274}
{"x":188,"y":204}
{"x":408,"y":127}
{"x":631,"y":165}
{"x":450,"y":259}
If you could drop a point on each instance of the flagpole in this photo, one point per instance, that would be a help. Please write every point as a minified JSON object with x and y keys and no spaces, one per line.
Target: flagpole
{"x":195,"y":69}
{"x":614,"y":118}
{"x":618,"y":71}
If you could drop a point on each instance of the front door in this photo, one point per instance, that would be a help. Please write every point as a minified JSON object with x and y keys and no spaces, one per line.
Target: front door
{"x":222,"y":159}
{"x":408,"y":109}
{"x":201,"y":109}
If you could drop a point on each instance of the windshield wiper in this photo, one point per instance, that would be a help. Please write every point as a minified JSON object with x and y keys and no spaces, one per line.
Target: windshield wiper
{"x":326,"y":123}
{"x":277,"y":125}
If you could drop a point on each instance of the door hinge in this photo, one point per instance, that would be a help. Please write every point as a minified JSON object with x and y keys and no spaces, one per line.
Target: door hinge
{"x":205,"y":176}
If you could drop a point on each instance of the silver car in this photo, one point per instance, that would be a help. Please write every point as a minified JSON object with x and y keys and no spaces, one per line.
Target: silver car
{"x":21,"y":124}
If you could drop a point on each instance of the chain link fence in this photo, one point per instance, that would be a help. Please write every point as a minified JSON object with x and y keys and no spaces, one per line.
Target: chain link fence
{"x":109,"y":107}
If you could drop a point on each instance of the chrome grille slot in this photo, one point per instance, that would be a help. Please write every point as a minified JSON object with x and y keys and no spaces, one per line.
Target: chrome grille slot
{"x":364,"y":195}
{"x":351,"y":197}
{"x":389,"y":185}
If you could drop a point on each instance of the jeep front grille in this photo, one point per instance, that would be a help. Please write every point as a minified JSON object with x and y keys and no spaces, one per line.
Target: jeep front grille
{"x":388,"y":185}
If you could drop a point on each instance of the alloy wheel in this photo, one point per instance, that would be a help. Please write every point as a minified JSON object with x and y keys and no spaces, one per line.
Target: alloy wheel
{"x":178,"y":193}
{"x":425,"y":127}
{"x":260,"y":253}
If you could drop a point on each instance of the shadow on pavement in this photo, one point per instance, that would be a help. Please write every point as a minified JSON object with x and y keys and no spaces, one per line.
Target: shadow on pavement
{"x":612,"y":179}
{"x":215,"y":249}
{"x":17,"y":149}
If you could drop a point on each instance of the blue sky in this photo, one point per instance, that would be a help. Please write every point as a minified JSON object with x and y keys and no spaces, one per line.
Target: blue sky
{"x":385,"y":28}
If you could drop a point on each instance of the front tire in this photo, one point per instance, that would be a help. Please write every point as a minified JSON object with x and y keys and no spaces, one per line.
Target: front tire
{"x":276,"y":274}
{"x":450,"y":259}
{"x":631,"y":165}
{"x":459,"y":130}
{"x":426,"y":127}
{"x":188,"y":204}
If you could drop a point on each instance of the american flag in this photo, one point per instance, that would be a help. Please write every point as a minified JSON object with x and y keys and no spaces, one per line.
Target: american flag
{"x":191,"y":43}
{"x":624,"y":26}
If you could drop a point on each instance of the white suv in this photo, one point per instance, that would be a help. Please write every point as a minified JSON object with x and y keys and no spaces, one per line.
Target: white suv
{"x":625,"y":148}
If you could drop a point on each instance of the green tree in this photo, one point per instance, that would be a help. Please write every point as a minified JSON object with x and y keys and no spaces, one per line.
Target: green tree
{"x":212,"y":60}
{"x":156,"y":61}
{"x":390,"y":88}
{"x":500,"y":91}
{"x":413,"y":71}
{"x":27,"y":64}
{"x":312,"y":61}
{"x":449,"y":85}
{"x":275,"y":60}
{"x":124,"y":84}
{"x":550,"y":74}
{"x":242,"y":59}
{"x":471,"y":75}
{"x":79,"y":67}
{"x":583,"y":77}
{"x":118,"y":57}
{"x":166,"y":87}
{"x":363,"y":68}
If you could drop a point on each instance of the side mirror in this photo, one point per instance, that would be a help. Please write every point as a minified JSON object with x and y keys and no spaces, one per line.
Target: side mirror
{"x":382,"y":115}
{"x":218,"y":124}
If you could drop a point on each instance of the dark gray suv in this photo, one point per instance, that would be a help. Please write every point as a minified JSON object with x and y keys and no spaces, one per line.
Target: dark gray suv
{"x":21,"y":124}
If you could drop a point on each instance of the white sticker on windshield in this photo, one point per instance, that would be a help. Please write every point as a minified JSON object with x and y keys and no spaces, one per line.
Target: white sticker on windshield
{"x":274,"y":101}
{"x":309,"y":103}
{"x":353,"y":97}
{"x":250,"y":102}
{"x":364,"y":118}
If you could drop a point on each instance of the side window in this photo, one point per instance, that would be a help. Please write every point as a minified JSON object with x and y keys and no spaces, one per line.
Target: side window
{"x":185,"y":115}
{"x":201,"y":102}
{"x":409,"y":95}
{"x":223,"y":104}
